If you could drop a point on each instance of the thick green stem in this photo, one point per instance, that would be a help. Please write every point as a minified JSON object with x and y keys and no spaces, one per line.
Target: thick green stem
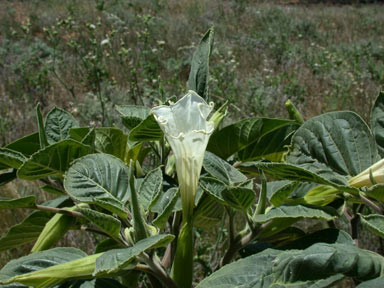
{"x":182,"y":268}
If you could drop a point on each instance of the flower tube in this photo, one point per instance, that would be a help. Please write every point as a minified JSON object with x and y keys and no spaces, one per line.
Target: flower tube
{"x":376,"y":171}
{"x":187,"y":130}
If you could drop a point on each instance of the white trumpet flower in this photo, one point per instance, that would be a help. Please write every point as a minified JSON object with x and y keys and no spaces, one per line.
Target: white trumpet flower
{"x":374,"y":172}
{"x":187,"y":130}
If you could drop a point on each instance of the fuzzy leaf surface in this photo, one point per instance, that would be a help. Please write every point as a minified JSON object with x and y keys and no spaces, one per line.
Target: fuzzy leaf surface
{"x":101,"y":179}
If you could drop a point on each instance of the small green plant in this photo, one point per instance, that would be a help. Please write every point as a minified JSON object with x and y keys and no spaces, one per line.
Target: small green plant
{"x":151,"y":196}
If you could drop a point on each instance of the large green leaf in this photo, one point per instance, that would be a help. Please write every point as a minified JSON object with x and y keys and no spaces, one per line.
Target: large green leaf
{"x":238,"y":197}
{"x":329,"y":236}
{"x":147,"y":130}
{"x":111,"y":141}
{"x":40,"y":124}
{"x":95,"y":283}
{"x":132,"y":115}
{"x":278,"y":191}
{"x":26,"y":145}
{"x":293,"y":238}
{"x":57,"y":125}
{"x":105,"y":222}
{"x":272,"y":146}
{"x":298,"y":173}
{"x":240,"y":135}
{"x":164,"y":206}
{"x":338,"y":142}
{"x":376,"y":192}
{"x":208,"y":213}
{"x":199,"y":74}
{"x":101,"y":179}
{"x":296,"y":212}
{"x":115,"y":260}
{"x":25,"y":232}
{"x":36,"y":262}
{"x":377,"y":122}
{"x":150,"y":188}
{"x":374,"y":283}
{"x":222,"y":170}
{"x":374,"y":223}
{"x":24,"y":202}
{"x":8,"y":176}
{"x":10,"y":158}
{"x":53,"y":160}
{"x":321,"y":265}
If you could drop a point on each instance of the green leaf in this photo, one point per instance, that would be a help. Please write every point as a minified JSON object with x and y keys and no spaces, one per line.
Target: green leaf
{"x":208,"y":213}
{"x":140,"y":227}
{"x":53,"y":190}
{"x":280,"y":191}
{"x":26,"y":145}
{"x":147,"y":130}
{"x":38,"y":261}
{"x":40,"y":124}
{"x":296,"y":212}
{"x":105,"y":222}
{"x":111,"y":141}
{"x":214,"y":187}
{"x":293,"y":238}
{"x":240,"y":135}
{"x":115,"y":260}
{"x":329,"y":236}
{"x":327,"y":263}
{"x":79,"y":134}
{"x":10,"y":158}
{"x":298,"y":173}
{"x":53,"y":160}
{"x":199,"y":74}
{"x":101,"y":179}
{"x":97,"y":283}
{"x":107,"y":244}
{"x":164,"y":206}
{"x":25,"y":202}
{"x":376,"y":192}
{"x":8,"y":176}
{"x":335,"y":142}
{"x":132,"y":115}
{"x":150,"y":188}
{"x":238,"y":197}
{"x":377,"y":122}
{"x":25,"y":232}
{"x":222,"y":170}
{"x":374,"y":223}
{"x":271,"y":147}
{"x":57,"y":125}
{"x":325,"y":259}
{"x":276,"y":226}
{"x":374,"y":283}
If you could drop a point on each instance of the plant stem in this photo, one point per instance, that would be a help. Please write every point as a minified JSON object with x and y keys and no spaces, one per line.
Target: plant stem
{"x":182,"y":268}
{"x":59,"y":210}
{"x":240,"y":242}
{"x":371,"y":204}
{"x":158,"y":271}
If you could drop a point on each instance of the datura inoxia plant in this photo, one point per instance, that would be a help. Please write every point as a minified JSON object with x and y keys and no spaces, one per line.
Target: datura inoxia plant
{"x":177,"y":199}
